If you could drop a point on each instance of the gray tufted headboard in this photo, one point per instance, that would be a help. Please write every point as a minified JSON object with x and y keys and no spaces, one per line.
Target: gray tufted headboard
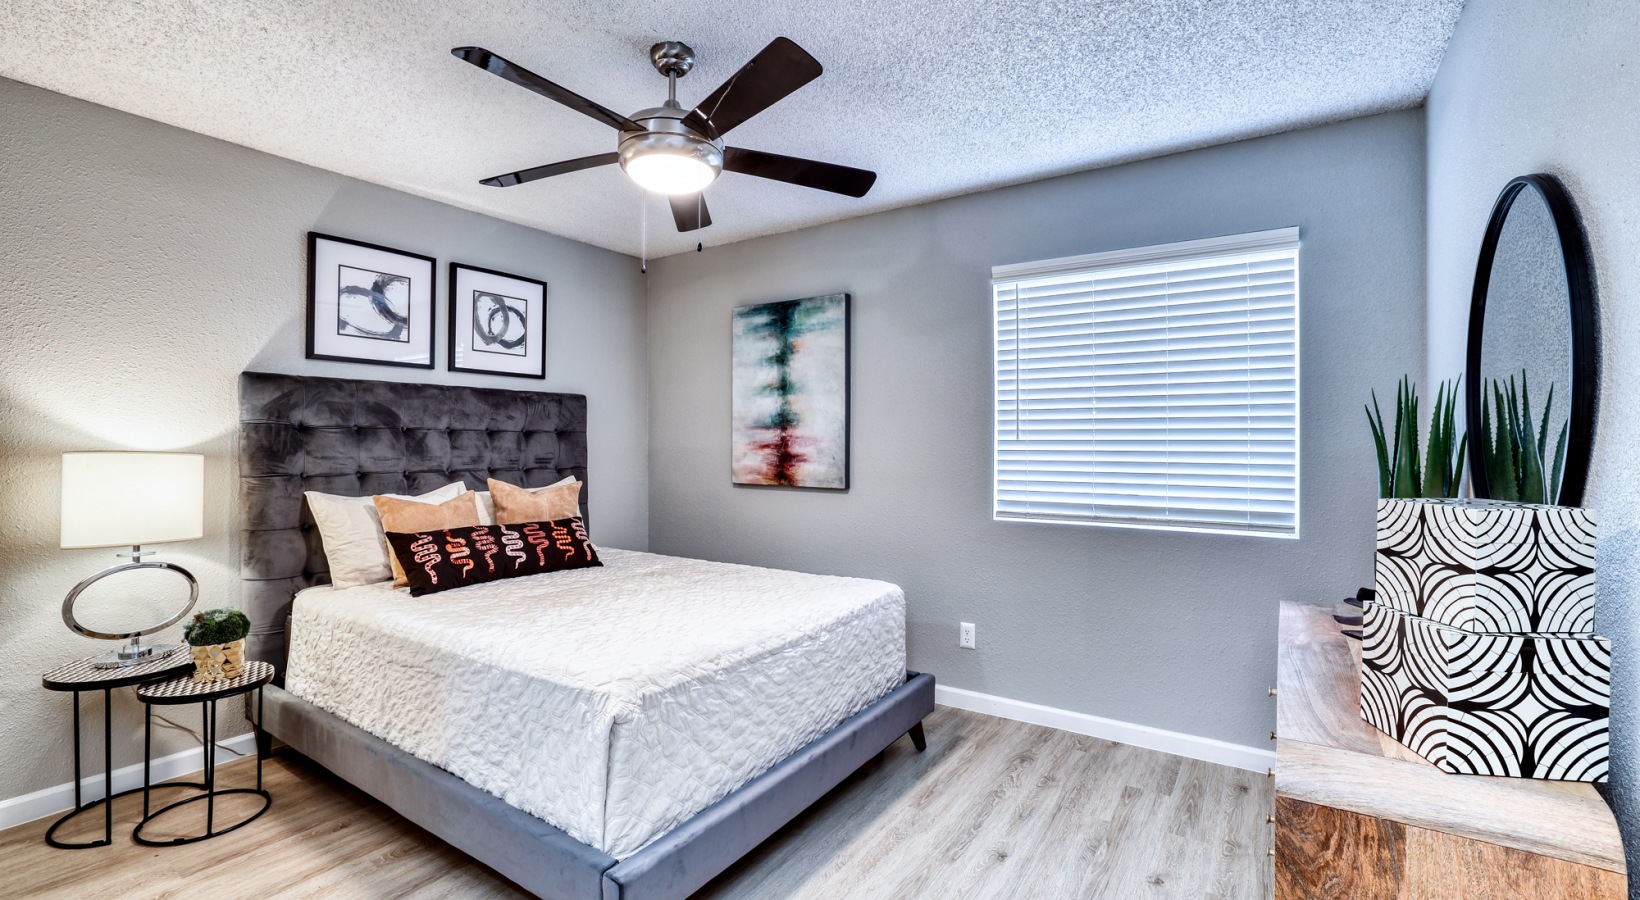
{"x":345,"y":436}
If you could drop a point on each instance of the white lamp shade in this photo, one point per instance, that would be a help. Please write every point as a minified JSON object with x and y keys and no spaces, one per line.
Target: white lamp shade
{"x":124,"y":499}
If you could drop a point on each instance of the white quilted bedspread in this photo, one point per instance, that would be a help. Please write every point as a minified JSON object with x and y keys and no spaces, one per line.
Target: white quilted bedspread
{"x":613,"y":702}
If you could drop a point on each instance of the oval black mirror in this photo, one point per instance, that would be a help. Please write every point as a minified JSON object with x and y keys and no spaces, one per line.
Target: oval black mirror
{"x":1531,"y":374}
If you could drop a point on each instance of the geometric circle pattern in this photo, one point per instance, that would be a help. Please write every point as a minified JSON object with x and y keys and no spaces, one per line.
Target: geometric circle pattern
{"x":1524,"y":705}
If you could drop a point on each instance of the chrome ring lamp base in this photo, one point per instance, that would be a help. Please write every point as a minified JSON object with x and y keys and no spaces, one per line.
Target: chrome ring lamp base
{"x":135,"y":651}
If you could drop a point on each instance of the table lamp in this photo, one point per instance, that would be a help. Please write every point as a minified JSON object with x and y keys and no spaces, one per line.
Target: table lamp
{"x":131,"y":499}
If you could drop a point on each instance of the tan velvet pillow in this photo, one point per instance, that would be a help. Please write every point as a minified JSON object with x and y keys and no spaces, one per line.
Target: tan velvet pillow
{"x":407,"y":516}
{"x":486,"y":504}
{"x":520,"y":506}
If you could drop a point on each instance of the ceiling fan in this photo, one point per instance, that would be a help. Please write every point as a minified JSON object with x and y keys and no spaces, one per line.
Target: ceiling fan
{"x":671,"y":151}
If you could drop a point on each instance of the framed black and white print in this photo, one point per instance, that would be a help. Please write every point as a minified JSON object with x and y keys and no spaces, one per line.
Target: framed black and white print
{"x":369,"y":304}
{"x":498,"y":323}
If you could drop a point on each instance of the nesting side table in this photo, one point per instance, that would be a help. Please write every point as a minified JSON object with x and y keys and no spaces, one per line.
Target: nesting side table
{"x":182,"y":690}
{"x":79,"y":676}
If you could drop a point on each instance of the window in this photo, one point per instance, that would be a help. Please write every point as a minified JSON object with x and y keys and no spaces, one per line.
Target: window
{"x":1151,"y":388}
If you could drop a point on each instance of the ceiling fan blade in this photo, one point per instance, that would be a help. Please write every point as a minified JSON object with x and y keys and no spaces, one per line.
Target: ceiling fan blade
{"x":551,"y":169}
{"x":524,"y":78}
{"x":777,"y":70}
{"x":689,"y":211}
{"x":805,"y":172}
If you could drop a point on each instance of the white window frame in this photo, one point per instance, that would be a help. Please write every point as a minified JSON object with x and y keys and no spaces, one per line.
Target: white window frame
{"x":1275,"y":239}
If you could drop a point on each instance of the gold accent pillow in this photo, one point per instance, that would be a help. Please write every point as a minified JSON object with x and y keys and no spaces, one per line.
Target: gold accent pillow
{"x":519,"y":506}
{"x":408,"y":517}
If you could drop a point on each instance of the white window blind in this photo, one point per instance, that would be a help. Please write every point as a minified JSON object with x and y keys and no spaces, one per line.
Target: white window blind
{"x":1154,"y":388}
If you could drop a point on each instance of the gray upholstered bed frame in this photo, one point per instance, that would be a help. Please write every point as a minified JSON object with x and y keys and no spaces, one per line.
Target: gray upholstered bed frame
{"x":345,"y":436}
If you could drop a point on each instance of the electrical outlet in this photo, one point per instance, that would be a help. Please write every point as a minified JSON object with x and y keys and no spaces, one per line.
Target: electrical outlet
{"x":965,"y":635}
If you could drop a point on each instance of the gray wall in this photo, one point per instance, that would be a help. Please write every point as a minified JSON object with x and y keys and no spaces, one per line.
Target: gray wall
{"x":1170,"y":630}
{"x":142,"y":267}
{"x":1529,"y":86}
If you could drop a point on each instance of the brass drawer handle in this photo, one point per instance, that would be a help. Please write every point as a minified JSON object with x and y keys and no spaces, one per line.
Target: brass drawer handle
{"x":1271,"y":818}
{"x":1272,"y":692}
{"x":1272,"y":735}
{"x":1271,"y":773}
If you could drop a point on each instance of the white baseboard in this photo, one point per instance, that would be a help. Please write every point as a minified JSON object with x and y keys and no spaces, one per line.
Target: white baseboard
{"x":1224,"y":753}
{"x":60,"y":798}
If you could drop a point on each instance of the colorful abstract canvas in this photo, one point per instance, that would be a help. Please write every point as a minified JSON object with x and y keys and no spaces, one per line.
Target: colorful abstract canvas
{"x":789,"y":393}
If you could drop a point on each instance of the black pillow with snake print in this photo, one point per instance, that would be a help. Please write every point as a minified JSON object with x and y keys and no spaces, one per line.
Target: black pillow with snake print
{"x":436,"y":561}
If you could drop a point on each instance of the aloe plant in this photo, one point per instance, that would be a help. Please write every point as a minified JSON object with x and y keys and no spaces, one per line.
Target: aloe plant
{"x":1518,"y":462}
{"x":1400,"y":471}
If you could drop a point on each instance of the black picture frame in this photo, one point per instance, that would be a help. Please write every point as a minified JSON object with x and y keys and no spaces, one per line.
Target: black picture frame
{"x":329,"y":346}
{"x":458,"y":344}
{"x":1584,"y":333}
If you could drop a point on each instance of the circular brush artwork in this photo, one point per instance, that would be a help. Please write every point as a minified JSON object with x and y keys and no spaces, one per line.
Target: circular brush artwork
{"x":498,"y":323}
{"x":369,"y":304}
{"x":373,"y":305}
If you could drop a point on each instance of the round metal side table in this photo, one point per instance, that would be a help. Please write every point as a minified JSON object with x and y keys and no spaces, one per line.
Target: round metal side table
{"x":182,"y":690}
{"x":81,"y":675}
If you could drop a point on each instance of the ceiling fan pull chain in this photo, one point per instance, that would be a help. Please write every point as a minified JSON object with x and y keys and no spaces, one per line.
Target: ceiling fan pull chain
{"x":700,"y":201}
{"x":643,"y":232}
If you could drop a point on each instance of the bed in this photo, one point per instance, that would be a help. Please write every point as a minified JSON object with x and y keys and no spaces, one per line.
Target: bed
{"x":638,"y":727}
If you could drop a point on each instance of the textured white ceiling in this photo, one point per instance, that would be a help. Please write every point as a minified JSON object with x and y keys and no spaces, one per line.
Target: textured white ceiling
{"x":939,"y":98}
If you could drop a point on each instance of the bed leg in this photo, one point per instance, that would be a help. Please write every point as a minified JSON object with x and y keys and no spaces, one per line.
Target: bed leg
{"x":918,"y":739}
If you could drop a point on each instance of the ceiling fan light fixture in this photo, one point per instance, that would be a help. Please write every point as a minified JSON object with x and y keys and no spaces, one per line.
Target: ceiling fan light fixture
{"x":669,"y":173}
{"x":669,"y":162}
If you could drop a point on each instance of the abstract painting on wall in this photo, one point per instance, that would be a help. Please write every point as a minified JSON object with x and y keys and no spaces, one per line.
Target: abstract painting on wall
{"x":790,"y":393}
{"x":368,"y":303}
{"x":498,"y":323}
{"x":373,"y":305}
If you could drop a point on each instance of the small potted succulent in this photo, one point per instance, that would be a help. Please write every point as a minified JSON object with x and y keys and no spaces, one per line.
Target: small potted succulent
{"x":217,"y":639}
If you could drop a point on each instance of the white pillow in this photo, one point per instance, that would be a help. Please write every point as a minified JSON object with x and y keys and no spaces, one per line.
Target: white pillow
{"x":351,"y":528}
{"x":486,"y":506}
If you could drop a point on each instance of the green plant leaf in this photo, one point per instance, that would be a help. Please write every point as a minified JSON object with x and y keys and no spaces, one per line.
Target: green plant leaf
{"x":1543,"y":430}
{"x":1457,"y":477}
{"x":1486,"y":447}
{"x":1560,"y":461}
{"x":1438,"y":452}
{"x":1432,"y":445}
{"x":1505,"y":483}
{"x":1395,"y":443}
{"x":1407,"y":481}
{"x":1452,"y":468}
{"x":1531,"y":453}
{"x":1377,"y":426}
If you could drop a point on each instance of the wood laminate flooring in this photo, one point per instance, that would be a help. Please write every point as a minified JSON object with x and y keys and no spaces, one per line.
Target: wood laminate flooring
{"x":993,"y":809}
